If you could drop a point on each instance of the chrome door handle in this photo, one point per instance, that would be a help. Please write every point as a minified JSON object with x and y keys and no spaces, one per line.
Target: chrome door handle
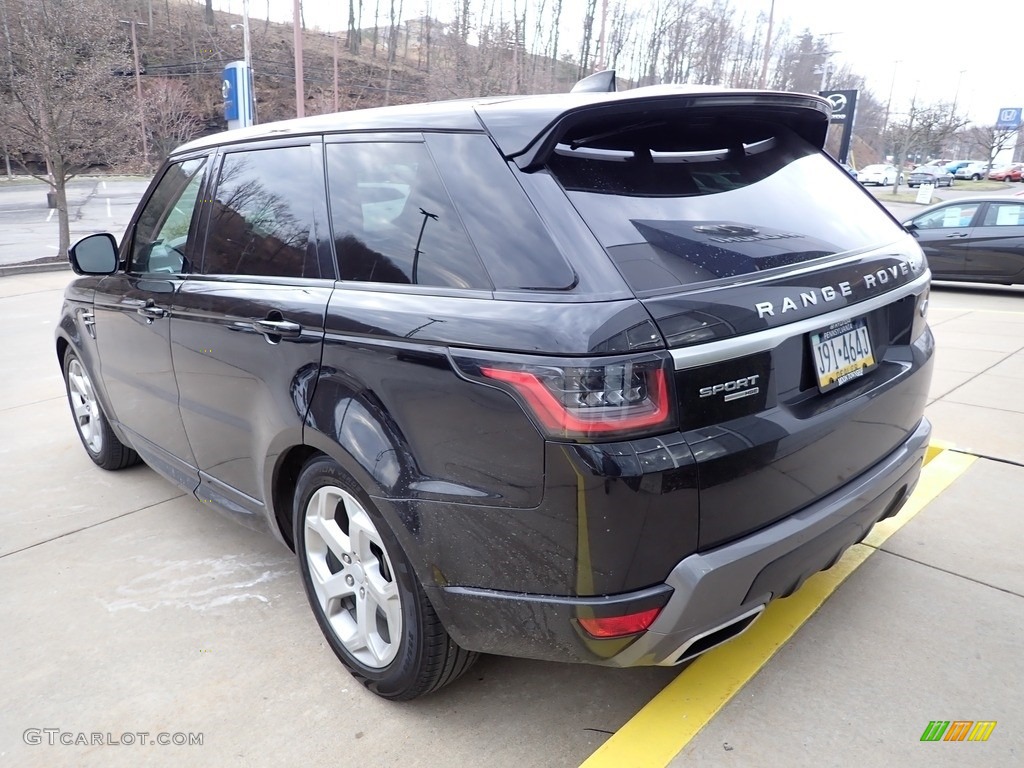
{"x":284,"y":329}
{"x":958,"y":234}
{"x":152,"y":313}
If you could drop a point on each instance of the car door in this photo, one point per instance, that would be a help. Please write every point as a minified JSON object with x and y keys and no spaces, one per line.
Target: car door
{"x":132,"y":320}
{"x":249,"y":322}
{"x":996,"y":249}
{"x":943,"y":234}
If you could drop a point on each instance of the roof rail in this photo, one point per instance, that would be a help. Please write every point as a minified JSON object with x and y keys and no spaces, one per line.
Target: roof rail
{"x":599,"y":82}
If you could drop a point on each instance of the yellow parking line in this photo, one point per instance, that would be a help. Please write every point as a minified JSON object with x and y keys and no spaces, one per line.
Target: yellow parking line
{"x":671,"y":719}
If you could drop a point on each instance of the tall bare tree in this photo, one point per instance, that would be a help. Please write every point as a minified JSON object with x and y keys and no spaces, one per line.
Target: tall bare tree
{"x":354,"y":38}
{"x":990,"y":140}
{"x":66,"y":100}
{"x":170,"y":115}
{"x":924,"y":126}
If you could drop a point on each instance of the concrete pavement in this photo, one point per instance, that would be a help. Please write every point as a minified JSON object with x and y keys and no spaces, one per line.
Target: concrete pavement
{"x":931,"y":626}
{"x":130,"y":608}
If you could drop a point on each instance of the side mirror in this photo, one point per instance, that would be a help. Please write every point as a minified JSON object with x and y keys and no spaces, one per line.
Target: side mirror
{"x":910,"y":226}
{"x":94,"y":255}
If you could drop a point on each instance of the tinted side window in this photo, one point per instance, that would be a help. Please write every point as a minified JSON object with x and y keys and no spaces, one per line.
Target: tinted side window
{"x":507,"y":232}
{"x":162,"y":241}
{"x":1004,"y":215}
{"x":949,"y":217}
{"x":263,"y":215}
{"x":393,"y":221}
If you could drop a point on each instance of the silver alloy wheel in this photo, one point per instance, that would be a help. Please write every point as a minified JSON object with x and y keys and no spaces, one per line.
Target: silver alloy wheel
{"x":85,"y":407}
{"x":353,"y":577}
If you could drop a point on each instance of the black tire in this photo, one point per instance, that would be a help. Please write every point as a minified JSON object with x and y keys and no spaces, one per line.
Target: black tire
{"x":976,"y":177}
{"x":424,"y":658}
{"x":93,"y":429}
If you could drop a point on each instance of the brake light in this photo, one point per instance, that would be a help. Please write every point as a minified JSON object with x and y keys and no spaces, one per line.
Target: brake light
{"x":592,"y":401}
{"x":620,"y":626}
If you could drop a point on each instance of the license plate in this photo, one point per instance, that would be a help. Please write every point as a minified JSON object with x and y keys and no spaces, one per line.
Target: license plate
{"x":842,"y":353}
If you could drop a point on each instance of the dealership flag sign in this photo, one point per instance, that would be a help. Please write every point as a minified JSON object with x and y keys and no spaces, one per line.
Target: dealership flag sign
{"x":844,"y":109}
{"x":1009,"y":119}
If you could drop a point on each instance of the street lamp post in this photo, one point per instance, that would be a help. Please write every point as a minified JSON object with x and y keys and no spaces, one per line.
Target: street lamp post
{"x":138,"y":86}
{"x":888,"y":104}
{"x":247,"y":58}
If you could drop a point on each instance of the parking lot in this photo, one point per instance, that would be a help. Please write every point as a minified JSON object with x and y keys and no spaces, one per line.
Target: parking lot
{"x":130,"y":608}
{"x":28,"y":228}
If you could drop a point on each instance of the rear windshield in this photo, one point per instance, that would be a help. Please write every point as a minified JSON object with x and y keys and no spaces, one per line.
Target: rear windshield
{"x":678,"y":202}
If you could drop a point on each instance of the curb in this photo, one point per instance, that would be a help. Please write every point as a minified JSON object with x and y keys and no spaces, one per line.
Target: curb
{"x":24,"y":269}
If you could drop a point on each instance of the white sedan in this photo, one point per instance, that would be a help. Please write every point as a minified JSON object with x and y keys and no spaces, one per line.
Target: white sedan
{"x":877,"y":174}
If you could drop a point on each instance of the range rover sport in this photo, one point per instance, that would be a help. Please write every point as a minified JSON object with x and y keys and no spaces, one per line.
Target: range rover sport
{"x":588,"y":377}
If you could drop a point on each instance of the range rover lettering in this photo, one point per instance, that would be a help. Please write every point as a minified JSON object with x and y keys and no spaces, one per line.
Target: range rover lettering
{"x":588,"y":377}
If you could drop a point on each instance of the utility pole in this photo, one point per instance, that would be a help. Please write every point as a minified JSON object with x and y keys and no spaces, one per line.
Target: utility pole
{"x":826,"y":55}
{"x":300,"y":95}
{"x":602,"y":61}
{"x":767,"y":47}
{"x":335,"y":73}
{"x":138,"y":86}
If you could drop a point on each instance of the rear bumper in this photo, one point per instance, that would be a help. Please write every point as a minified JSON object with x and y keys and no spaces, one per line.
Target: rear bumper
{"x":708,"y":597}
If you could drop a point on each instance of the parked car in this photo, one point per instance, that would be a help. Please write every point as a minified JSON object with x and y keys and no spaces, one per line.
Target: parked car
{"x":956,"y":165}
{"x":930,"y":174}
{"x":973,"y":239}
{"x":1010,"y":172}
{"x":562,"y":377}
{"x":973,"y":172}
{"x":878,"y":174}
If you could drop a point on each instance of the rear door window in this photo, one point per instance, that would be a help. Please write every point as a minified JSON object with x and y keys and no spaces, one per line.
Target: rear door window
{"x":679,"y":201}
{"x":1004,"y":215}
{"x":392,"y":218}
{"x":261,"y":222}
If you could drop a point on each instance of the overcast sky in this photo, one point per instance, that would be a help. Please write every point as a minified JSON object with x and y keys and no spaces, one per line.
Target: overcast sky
{"x":933,"y":41}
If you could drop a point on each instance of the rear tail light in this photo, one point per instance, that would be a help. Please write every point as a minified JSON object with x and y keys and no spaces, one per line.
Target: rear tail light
{"x":620,"y":398}
{"x":620,"y":626}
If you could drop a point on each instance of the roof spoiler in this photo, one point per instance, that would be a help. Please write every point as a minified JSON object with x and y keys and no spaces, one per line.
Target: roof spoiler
{"x":599,"y":82}
{"x":807,"y":115}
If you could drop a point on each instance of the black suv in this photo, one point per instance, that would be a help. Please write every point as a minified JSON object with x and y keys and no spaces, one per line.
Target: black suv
{"x":587,"y":377}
